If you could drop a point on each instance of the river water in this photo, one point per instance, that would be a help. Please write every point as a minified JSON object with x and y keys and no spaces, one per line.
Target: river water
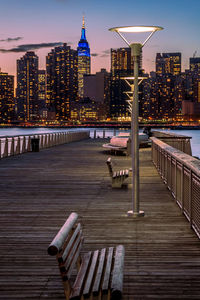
{"x":195,"y":134}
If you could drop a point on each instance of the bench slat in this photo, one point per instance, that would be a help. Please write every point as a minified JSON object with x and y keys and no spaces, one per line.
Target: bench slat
{"x":90,"y":276}
{"x":77,"y":232}
{"x":59,"y":239}
{"x":72,"y":253}
{"x":107,"y":270}
{"x":96,"y":286}
{"x":74,"y":260}
{"x":117,"y":276}
{"x":78,"y":284}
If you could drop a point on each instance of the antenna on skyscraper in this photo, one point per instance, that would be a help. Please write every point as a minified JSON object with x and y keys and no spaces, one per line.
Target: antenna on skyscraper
{"x":83,"y":25}
{"x":194,"y":54}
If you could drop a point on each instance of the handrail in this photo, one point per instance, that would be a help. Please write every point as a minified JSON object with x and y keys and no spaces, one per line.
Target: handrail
{"x":178,"y":141}
{"x":181,"y":174}
{"x":165,"y":134}
{"x":31,"y":134}
{"x":14,"y":145}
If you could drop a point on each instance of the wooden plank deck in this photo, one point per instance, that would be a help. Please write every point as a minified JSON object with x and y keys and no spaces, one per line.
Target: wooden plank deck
{"x":39,"y":190}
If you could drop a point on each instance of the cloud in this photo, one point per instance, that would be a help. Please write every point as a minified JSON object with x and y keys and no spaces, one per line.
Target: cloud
{"x":12,"y":39}
{"x":153,"y":46}
{"x":105,"y":53}
{"x":28,"y":47}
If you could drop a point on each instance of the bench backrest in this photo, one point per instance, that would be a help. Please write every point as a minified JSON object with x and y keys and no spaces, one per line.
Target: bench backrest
{"x":67,"y":246}
{"x":100,"y":272}
{"x":109,"y":164}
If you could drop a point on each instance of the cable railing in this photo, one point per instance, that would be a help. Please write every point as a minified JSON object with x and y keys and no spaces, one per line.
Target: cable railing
{"x":14,"y":145}
{"x":181,"y":174}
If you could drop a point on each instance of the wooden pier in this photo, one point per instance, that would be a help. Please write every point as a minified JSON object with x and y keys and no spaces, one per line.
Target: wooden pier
{"x":38,"y":190}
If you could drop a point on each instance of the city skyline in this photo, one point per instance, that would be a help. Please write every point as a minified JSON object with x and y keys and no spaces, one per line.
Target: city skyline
{"x":40,"y":27}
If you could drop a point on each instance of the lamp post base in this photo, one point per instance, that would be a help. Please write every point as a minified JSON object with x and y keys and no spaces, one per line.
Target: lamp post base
{"x":133,"y":214}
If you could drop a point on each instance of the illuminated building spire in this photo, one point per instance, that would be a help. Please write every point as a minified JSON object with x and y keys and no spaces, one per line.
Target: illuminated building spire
{"x":83,"y":26}
{"x":83,"y":58}
{"x":83,"y":36}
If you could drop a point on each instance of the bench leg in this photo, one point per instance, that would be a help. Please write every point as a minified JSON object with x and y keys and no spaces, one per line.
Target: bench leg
{"x":106,"y":296}
{"x":67,"y":289}
{"x":117,"y":183}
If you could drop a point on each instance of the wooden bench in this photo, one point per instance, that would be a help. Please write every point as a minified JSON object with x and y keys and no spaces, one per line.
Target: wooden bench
{"x":99,"y":273}
{"x":117,"y":177}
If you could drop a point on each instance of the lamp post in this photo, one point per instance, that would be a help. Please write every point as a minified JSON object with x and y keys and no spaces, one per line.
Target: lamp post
{"x":136,"y":49}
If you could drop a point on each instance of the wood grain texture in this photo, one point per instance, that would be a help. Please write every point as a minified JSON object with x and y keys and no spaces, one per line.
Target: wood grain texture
{"x":39,"y":190}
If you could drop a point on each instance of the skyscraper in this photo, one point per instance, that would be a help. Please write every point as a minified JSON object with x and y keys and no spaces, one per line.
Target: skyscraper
{"x":61,"y":76}
{"x":83,"y":59}
{"x":195,"y":64}
{"x":97,"y":88}
{"x":121,"y":65}
{"x":6,"y":98}
{"x":168,"y":63}
{"x":27,"y":87}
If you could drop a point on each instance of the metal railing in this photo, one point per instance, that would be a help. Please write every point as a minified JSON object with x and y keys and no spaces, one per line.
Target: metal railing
{"x":103,"y":133}
{"x":177,"y":141}
{"x":14,"y":145}
{"x":181,"y":174}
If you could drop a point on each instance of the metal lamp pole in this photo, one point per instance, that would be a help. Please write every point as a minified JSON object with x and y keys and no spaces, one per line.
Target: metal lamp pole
{"x":136,"y":49}
{"x":135,"y":212}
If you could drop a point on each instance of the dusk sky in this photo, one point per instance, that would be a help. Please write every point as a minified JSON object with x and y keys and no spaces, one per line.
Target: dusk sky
{"x":46,"y":22}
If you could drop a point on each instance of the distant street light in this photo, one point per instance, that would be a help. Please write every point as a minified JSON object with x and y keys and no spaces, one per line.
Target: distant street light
{"x":136,"y":49}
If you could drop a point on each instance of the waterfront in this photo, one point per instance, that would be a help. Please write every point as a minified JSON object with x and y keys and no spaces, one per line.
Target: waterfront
{"x":195,"y":134}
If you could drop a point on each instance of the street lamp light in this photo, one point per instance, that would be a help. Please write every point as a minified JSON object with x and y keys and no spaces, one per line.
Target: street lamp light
{"x":135,"y":52}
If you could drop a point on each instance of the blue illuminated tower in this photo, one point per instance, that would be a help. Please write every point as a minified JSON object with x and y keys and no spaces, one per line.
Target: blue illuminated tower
{"x":83,"y":59}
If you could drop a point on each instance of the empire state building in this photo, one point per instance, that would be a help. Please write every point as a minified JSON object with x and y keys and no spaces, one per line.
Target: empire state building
{"x":83,"y":59}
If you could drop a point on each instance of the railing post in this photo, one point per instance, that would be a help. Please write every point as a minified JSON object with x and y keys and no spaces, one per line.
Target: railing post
{"x":29,"y":144}
{"x":46,"y":140}
{"x":41,"y":136}
{"x":6,"y":148}
{"x":23,"y":144}
{"x":0,"y":148}
{"x":95,"y":134}
{"x":12,"y":149}
{"x":166,"y":167}
{"x":182,"y":188}
{"x":51,"y":139}
{"x":58,"y":138}
{"x":18,"y":146}
{"x":170,"y":182}
{"x":190,"y":197}
{"x":104,"y":134}
{"x":175,"y":184}
{"x":161,"y":162}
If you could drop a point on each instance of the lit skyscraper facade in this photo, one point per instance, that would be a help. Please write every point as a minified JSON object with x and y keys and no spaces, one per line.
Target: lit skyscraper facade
{"x":41,"y":88}
{"x":168,"y":63}
{"x":6,"y":98}
{"x":121,"y":65}
{"x":195,"y":64}
{"x":62,"y":85}
{"x":83,"y":59}
{"x":163,"y":92}
{"x":27,"y":87}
